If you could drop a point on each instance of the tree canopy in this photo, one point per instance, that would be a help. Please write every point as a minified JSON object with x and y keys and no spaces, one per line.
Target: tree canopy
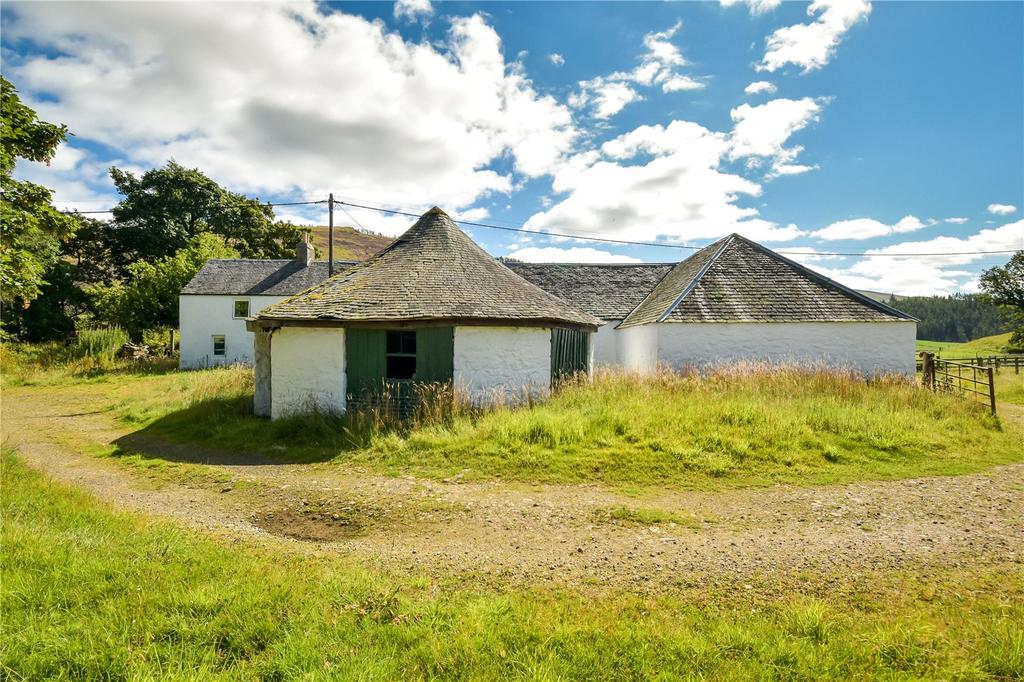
{"x":167,"y":207}
{"x":1004,"y":286}
{"x":32,"y":228}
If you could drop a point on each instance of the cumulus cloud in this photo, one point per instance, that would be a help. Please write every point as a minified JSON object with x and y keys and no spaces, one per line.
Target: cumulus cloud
{"x":606,"y":96}
{"x":329,"y":101}
{"x":657,"y":182}
{"x":758,"y":87}
{"x":413,"y":9}
{"x":576,"y":254}
{"x":761,"y":132}
{"x":1001,"y":209}
{"x":866,"y":228}
{"x":938,"y":274}
{"x":811,"y":46}
{"x":556,"y":59}
{"x":755,"y":6}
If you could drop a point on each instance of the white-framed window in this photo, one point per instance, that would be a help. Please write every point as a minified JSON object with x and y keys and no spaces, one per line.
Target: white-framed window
{"x":241,"y":308}
{"x":219,"y":346}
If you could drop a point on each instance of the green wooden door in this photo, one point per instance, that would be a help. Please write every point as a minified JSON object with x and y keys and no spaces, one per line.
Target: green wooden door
{"x":570,"y":353}
{"x":435,"y":351}
{"x":364,"y":360}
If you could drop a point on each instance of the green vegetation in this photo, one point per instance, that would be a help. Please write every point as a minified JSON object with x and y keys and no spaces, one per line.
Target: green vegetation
{"x":91,"y":356}
{"x":745,"y":427}
{"x":997,"y":344}
{"x":1009,"y":386}
{"x":645,"y":517}
{"x":89,"y":593}
{"x":1003,"y":286}
{"x":956,"y":318}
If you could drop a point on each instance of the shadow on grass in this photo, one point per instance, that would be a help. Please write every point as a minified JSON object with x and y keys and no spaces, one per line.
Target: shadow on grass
{"x":224,"y":430}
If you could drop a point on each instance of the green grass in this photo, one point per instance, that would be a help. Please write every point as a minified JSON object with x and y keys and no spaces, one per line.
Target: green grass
{"x":987,"y":345}
{"x":643,"y":516}
{"x":734,"y":428}
{"x":91,"y":593}
{"x":91,"y":358}
{"x":1009,"y":386}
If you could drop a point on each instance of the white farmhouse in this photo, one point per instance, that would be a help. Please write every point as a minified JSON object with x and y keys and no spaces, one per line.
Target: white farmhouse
{"x":215,"y":304}
{"x":434,"y":307}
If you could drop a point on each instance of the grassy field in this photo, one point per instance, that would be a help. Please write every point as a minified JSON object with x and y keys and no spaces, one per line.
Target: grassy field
{"x":740,"y":428}
{"x":90,"y":593}
{"x":988,"y":345}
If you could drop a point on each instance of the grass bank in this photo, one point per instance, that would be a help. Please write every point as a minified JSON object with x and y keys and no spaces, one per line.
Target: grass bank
{"x":740,"y":427}
{"x":90,"y":593}
{"x":987,"y":345}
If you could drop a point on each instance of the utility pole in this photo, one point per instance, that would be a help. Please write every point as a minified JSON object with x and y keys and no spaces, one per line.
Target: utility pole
{"x":330,"y":234}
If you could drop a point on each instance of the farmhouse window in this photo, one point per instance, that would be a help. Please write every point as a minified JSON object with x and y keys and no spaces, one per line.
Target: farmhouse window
{"x":218,"y":345}
{"x":401,"y":355}
{"x":241,"y":309}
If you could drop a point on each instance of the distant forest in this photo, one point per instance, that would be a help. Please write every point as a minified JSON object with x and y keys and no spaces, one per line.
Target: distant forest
{"x":960,"y":317}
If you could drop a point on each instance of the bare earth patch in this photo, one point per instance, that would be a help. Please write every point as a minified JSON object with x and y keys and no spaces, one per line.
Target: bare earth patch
{"x":521,"y":533}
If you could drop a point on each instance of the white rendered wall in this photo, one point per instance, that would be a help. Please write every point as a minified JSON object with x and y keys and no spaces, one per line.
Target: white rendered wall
{"x":307,"y":369}
{"x":870,"y":347}
{"x":203,"y":317}
{"x":638,"y":348}
{"x":494,"y":364}
{"x":604,"y":345}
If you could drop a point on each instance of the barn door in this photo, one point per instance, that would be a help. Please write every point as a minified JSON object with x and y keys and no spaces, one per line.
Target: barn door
{"x":570,"y":353}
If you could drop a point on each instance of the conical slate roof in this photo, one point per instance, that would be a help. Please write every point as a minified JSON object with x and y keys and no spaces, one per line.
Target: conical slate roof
{"x":737,"y":280}
{"x":432,"y":272}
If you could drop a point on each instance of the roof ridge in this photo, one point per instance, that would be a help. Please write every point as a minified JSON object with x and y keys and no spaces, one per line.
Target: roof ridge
{"x":696,"y":278}
{"x":822,"y":279}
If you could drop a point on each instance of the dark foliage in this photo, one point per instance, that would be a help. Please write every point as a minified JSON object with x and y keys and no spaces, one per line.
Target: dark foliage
{"x":952,"y":318}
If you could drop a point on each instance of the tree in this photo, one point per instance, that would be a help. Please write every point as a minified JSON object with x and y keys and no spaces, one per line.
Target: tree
{"x":32,"y":228}
{"x":1004,"y":286}
{"x":166,"y":207}
{"x":148,"y":297}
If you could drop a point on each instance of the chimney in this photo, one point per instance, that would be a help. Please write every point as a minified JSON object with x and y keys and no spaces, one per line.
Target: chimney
{"x":304,"y":251}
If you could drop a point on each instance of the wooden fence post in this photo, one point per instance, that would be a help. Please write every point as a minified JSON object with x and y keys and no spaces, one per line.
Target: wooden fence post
{"x":991,"y":391}
{"x":928,"y":370}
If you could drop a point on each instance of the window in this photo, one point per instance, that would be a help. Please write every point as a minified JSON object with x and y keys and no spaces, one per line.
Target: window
{"x":401,"y":355}
{"x":241,"y":309}
{"x":218,"y":345}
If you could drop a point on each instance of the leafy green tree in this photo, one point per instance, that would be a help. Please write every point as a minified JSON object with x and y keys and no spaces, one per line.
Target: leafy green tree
{"x":32,"y":228}
{"x":166,"y":207}
{"x":1004,"y":286}
{"x":149,"y":295}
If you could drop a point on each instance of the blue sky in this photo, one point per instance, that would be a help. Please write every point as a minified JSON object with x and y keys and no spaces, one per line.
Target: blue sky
{"x":850,"y":127}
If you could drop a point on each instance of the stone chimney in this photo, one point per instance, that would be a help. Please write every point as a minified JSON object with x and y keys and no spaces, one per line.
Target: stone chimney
{"x":304,"y":251}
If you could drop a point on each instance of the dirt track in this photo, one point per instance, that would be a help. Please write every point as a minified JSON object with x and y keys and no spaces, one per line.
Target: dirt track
{"x":522,"y":533}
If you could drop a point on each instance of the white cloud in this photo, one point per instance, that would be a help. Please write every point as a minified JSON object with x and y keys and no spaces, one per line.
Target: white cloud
{"x":938,"y":274}
{"x":330,"y":102}
{"x":758,"y":87}
{"x":811,"y":46}
{"x":556,"y":59}
{"x":659,"y":66}
{"x":680,"y":194}
{"x":413,"y":9}
{"x":1001,"y":209}
{"x":576,"y":254}
{"x":756,"y":6}
{"x":866,"y":228}
{"x":955,"y":221}
{"x":762,"y":131}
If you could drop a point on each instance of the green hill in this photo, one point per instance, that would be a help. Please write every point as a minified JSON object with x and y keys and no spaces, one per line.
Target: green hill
{"x":986,"y":345}
{"x":349,"y":243}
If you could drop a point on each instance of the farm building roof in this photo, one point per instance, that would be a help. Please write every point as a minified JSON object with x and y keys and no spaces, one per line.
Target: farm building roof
{"x":432,"y":272}
{"x":737,"y":280}
{"x":608,"y":291}
{"x":251,"y":277}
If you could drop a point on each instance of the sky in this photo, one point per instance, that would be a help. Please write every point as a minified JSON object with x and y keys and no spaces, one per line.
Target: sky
{"x":831,"y":127}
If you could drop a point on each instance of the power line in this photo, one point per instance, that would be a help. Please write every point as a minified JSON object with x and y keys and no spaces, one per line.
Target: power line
{"x":669,"y":246}
{"x":606,"y":240}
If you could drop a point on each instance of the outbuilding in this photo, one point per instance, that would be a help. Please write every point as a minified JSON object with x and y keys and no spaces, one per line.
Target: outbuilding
{"x":433,"y":307}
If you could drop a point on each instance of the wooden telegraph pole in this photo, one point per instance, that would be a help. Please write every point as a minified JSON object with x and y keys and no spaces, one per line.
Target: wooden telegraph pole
{"x":330,"y":234}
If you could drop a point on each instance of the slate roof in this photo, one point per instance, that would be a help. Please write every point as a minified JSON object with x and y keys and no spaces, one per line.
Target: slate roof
{"x":251,"y":277}
{"x":608,"y":291}
{"x":432,"y":272}
{"x":737,"y":280}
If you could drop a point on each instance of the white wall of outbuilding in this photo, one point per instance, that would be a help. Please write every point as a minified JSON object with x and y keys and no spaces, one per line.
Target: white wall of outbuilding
{"x":502,"y":364}
{"x":203,"y":317}
{"x":868,"y":347}
{"x":307,"y":370}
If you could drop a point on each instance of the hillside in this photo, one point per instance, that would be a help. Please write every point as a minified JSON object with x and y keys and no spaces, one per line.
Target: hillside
{"x":349,"y":243}
{"x":987,"y":345}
